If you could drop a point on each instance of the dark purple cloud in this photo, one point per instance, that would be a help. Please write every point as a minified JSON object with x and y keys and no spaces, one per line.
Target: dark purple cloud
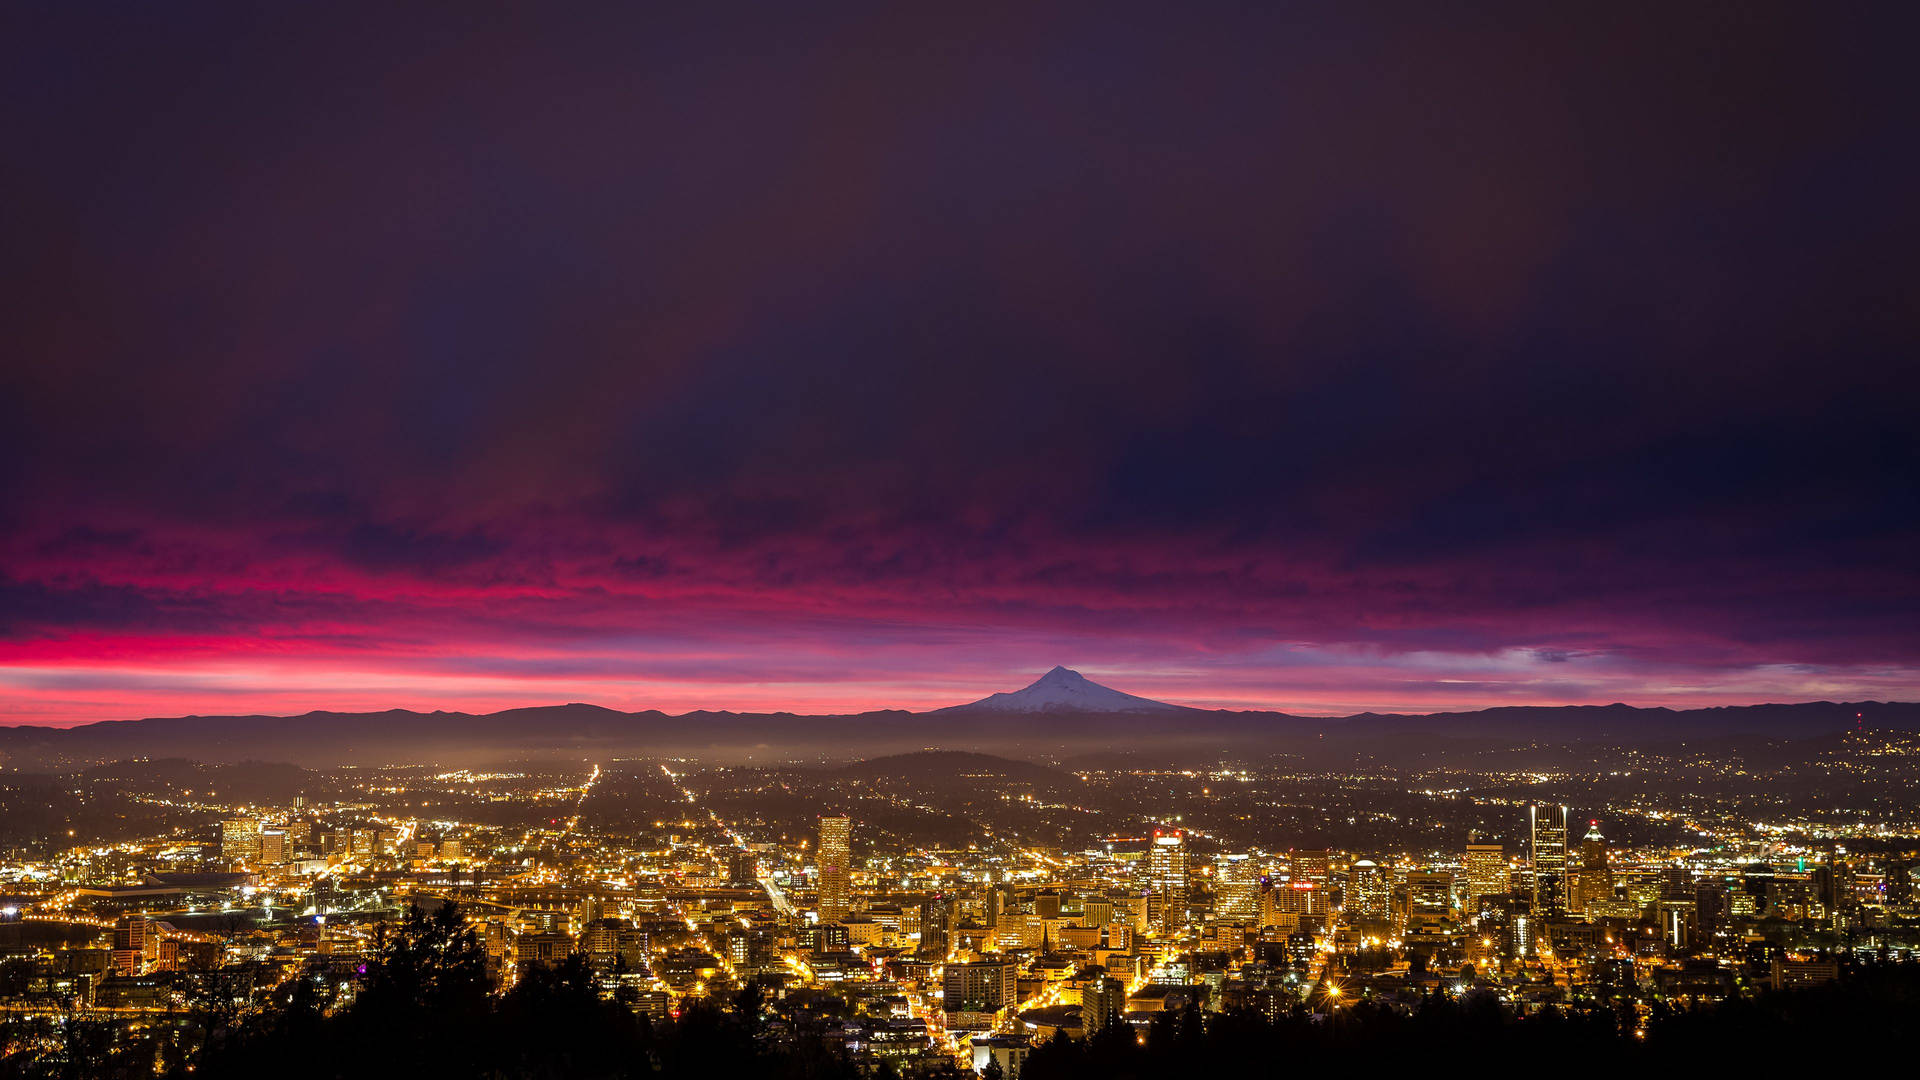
{"x":1400,"y":357}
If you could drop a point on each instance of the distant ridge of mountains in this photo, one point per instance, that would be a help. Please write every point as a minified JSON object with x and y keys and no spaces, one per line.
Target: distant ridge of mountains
{"x":1061,"y":711}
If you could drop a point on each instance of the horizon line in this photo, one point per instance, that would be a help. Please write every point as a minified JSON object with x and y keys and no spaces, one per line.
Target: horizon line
{"x":927,"y":712}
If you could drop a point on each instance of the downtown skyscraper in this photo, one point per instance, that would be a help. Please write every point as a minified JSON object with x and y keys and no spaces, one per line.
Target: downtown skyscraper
{"x":835,"y":862}
{"x":1486,"y":865}
{"x":1167,"y":877}
{"x":1547,"y":825}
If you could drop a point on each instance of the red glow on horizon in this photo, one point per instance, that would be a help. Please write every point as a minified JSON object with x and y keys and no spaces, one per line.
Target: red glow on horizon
{"x":228,"y":623}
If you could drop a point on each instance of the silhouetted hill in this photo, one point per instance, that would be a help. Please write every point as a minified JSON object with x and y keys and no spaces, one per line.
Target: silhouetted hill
{"x":1587,"y":722}
{"x":577,"y":731}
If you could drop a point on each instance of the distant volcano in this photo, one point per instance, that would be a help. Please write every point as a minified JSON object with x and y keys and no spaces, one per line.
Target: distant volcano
{"x":1065,"y":690}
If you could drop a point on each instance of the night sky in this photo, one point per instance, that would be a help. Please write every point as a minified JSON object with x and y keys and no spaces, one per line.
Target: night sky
{"x":1320,"y":358}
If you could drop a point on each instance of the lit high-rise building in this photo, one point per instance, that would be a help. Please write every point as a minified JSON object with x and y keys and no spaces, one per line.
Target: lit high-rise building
{"x":1369,"y":888}
{"x":1167,"y":877}
{"x":1548,"y":827}
{"x":1103,"y":1003}
{"x":1292,"y":897}
{"x":601,"y":940}
{"x":1678,"y":923}
{"x":1486,"y":869}
{"x":937,"y":918}
{"x":974,"y":993}
{"x":1429,"y":895}
{"x":1520,"y":933}
{"x":1314,"y":866}
{"x":135,"y":943}
{"x":836,"y":870}
{"x":240,"y":839}
{"x":1593,"y":883}
{"x":743,"y":869}
{"x":299,"y":834}
{"x":133,"y":932}
{"x":1236,"y":891}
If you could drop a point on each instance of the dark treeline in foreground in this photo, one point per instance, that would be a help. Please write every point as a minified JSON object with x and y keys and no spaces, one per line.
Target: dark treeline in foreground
{"x":424,"y":1008}
{"x":1876,"y":1006}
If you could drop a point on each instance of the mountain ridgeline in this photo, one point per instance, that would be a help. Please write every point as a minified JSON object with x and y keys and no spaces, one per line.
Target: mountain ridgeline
{"x":1061,"y":714}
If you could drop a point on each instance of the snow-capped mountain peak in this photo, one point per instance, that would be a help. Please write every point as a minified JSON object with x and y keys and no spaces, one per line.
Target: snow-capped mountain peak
{"x":1065,"y":690}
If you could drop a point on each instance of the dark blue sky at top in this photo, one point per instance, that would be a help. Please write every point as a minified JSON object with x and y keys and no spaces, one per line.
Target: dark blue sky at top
{"x":886,"y":348}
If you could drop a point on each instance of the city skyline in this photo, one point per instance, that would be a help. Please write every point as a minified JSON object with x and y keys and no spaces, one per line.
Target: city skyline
{"x":933,"y":913}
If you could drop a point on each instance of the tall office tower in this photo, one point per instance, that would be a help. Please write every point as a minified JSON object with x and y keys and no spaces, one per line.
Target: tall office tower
{"x":590,"y":909}
{"x":1429,"y":896}
{"x":1314,"y":866}
{"x":1710,"y":896}
{"x":978,"y":990}
{"x":600,"y":941}
{"x":136,"y":941}
{"x":1272,"y":911}
{"x":836,"y":871}
{"x":1369,"y":888}
{"x":1102,"y":1003}
{"x":1548,"y":827}
{"x":1835,"y":880}
{"x":299,"y":834}
{"x":1756,"y":880}
{"x":1594,"y":881}
{"x":938,"y":915}
{"x":1676,"y":883}
{"x":240,"y":839}
{"x":1900,"y":878}
{"x":1167,"y":877}
{"x":1310,"y":877}
{"x":1486,"y":869}
{"x":273,"y":847}
{"x":1520,"y":935}
{"x":1236,"y":893}
{"x":133,"y":932}
{"x":1679,"y":921}
{"x":743,"y":868}
{"x":1000,"y":901}
{"x":1296,"y":896}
